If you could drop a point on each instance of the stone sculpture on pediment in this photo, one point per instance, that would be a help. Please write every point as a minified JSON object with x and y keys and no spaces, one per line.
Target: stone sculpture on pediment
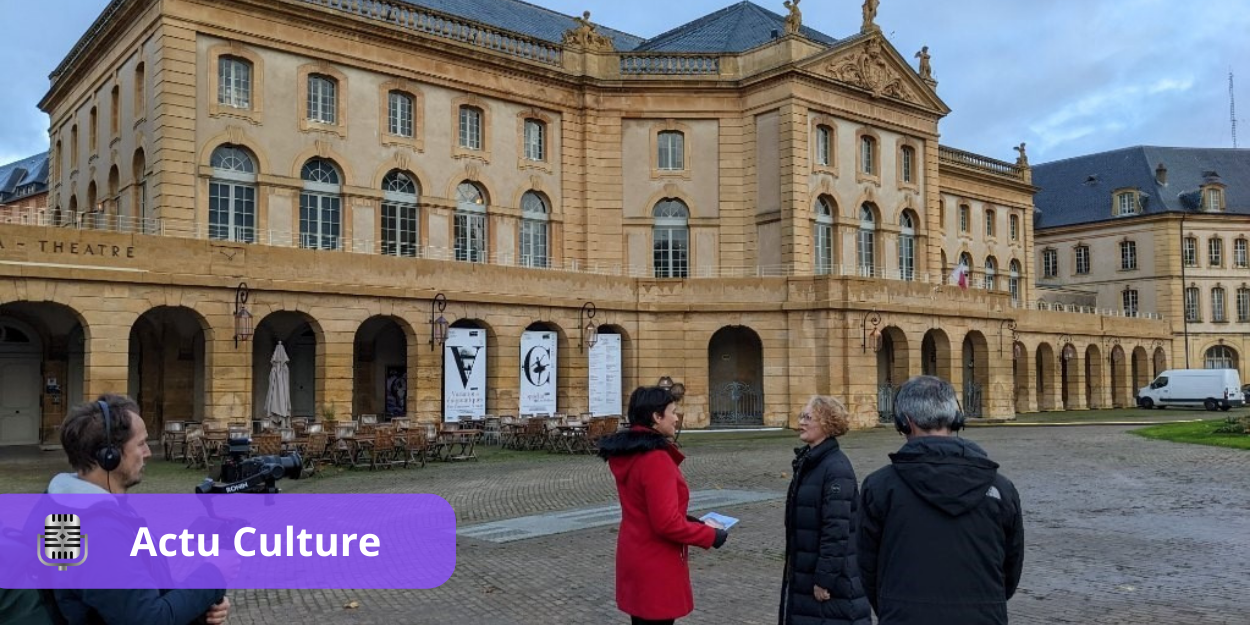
{"x":870,"y":14}
{"x":585,"y":35}
{"x":868,"y":69}
{"x":794,"y":21}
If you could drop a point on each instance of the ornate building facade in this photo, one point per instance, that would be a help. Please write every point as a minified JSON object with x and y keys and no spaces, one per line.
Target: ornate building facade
{"x":754,"y":208}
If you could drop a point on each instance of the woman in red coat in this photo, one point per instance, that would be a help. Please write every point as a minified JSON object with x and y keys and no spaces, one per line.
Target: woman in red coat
{"x":652,"y":573}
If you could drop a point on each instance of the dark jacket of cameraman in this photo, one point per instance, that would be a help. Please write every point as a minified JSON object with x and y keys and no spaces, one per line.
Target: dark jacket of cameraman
{"x":108,"y":606}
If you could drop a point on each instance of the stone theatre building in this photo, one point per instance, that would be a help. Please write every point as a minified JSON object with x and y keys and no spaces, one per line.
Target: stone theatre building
{"x":758,"y":210}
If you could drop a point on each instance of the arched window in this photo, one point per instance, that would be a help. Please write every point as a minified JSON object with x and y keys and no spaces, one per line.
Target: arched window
{"x":991,"y":270}
{"x":907,"y":246}
{"x":671,"y":239}
{"x":822,"y":235}
{"x":534,"y":215}
{"x":470,"y":223}
{"x":866,"y":241}
{"x":320,"y":205}
{"x":1013,"y":281}
{"x":232,"y":195}
{"x":1221,"y":357}
{"x":400,"y":197}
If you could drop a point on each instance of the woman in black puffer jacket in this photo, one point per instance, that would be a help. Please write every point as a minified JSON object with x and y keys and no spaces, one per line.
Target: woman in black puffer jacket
{"x":821,"y":584}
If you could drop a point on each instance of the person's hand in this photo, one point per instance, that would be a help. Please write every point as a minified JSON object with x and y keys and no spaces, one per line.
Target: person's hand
{"x":821,"y":593}
{"x":714,"y":524}
{"x":217,"y":614}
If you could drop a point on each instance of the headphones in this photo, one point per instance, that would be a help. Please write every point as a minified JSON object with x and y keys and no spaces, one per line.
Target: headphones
{"x":109,"y":457}
{"x":901,"y":424}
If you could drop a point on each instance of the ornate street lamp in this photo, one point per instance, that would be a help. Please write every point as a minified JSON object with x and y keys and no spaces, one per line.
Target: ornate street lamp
{"x":1011,"y":325}
{"x":874,"y":335}
{"x":242,"y":318}
{"x":590,"y":333}
{"x":438,"y":327}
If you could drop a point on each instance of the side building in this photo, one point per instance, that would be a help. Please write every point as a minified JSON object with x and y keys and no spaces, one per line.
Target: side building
{"x":24,"y":190}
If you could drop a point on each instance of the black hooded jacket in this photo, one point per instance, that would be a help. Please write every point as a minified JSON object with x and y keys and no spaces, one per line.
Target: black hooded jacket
{"x":941,"y":539}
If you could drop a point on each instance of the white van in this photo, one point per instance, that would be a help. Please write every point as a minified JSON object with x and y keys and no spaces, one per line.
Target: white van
{"x":1209,"y":388}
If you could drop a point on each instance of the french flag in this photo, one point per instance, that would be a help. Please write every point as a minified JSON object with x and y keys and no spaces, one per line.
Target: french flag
{"x":960,"y":276}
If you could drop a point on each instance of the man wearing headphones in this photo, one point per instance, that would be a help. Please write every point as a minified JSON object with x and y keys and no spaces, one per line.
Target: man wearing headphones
{"x":941,"y":539}
{"x":106,"y":443}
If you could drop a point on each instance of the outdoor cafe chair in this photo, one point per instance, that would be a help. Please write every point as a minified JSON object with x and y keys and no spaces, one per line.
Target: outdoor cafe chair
{"x":173,"y":440}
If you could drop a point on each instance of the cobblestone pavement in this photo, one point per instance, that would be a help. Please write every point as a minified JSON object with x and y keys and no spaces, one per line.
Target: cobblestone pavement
{"x":1119,"y":529}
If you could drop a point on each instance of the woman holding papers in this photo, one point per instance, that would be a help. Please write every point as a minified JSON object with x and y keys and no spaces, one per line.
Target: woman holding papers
{"x":652,"y":574}
{"x":821,"y":584}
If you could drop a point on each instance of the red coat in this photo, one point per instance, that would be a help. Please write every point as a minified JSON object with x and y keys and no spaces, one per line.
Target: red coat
{"x":652,"y":573}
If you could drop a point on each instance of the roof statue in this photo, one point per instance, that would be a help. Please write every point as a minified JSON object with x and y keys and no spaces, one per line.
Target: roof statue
{"x":794,"y":21}
{"x":926,"y":70}
{"x":870,"y":14}
{"x":585,"y":36}
{"x":1023,"y":159}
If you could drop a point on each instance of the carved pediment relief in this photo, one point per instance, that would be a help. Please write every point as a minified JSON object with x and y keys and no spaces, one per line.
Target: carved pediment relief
{"x":869,"y":68}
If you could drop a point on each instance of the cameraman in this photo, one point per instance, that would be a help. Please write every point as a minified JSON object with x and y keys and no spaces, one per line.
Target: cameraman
{"x":83,"y":438}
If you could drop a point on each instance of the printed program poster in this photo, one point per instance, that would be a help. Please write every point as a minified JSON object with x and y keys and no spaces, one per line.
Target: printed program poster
{"x":464,"y":373}
{"x":605,"y":375}
{"x":538,"y":372}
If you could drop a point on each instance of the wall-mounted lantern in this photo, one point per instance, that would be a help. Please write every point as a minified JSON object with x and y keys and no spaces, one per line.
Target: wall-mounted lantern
{"x":438,"y":326}
{"x":242,"y":318}
{"x":590,"y":332}
{"x":872,"y":338}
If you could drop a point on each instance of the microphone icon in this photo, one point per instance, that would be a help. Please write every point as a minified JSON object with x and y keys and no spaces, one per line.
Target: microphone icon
{"x":62,"y":540}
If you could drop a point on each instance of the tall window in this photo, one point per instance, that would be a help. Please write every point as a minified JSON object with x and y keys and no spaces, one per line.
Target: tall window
{"x":1189,"y":252}
{"x":1082,"y":260}
{"x":400,"y":200}
{"x":1239,"y":253}
{"x":990,"y":227}
{"x":470,"y":222}
{"x":908,"y":158}
{"x":966,"y":260}
{"x":1221,"y":357}
{"x":534,"y":215}
{"x":1050,"y":263}
{"x":322,"y":99}
{"x":1214,"y":200}
{"x":143,"y":209}
{"x":399,"y":114}
{"x":1013,"y":281}
{"x":1243,"y":304}
{"x":535,"y":140}
{"x":1191,"y":303}
{"x":965,"y":218}
{"x":822,"y":239}
{"x":234,"y":82}
{"x":470,"y":128}
{"x":140,"y":91}
{"x":671,"y":239}
{"x":991,"y":273}
{"x":320,"y":205}
{"x":1129,"y":299}
{"x":115,"y":97}
{"x":73,"y":146}
{"x":1217,"y":305}
{"x":1215,"y":252}
{"x":1013,"y":227}
{"x":1128,"y":255}
{"x":907,"y":247}
{"x":866,"y":241}
{"x":1126,"y":203}
{"x":868,"y":155}
{"x":93,"y":130}
{"x":232,"y":195}
{"x":824,"y":145}
{"x":672,"y":150}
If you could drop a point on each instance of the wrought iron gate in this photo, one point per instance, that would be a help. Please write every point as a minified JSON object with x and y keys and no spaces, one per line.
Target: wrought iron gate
{"x":886,"y":394}
{"x":736,"y":404}
{"x":972,"y":400}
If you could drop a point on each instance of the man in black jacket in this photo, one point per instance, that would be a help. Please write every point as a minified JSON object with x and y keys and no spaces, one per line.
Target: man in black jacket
{"x":941,"y":536}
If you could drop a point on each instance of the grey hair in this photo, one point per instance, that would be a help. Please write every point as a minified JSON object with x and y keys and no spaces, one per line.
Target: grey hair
{"x":929,"y":401}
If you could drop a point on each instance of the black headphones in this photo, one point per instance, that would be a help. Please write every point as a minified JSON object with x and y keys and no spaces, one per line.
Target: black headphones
{"x":108,"y":456}
{"x":901,"y":424}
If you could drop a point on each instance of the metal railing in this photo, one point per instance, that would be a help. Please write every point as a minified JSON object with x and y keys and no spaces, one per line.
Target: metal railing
{"x":1085,"y":310}
{"x":736,"y":403}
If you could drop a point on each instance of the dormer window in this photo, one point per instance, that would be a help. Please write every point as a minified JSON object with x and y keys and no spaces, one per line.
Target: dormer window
{"x":1126,"y":203}
{"x":1213,"y":199}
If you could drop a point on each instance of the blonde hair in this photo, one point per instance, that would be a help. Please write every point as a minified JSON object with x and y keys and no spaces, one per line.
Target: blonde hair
{"x":830,"y":414}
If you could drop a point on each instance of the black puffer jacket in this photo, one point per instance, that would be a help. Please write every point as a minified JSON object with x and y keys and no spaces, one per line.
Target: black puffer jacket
{"x":821,"y":526}
{"x":942,"y":536}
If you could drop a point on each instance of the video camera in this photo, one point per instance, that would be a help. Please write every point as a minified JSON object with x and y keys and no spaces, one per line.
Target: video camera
{"x":243,"y":474}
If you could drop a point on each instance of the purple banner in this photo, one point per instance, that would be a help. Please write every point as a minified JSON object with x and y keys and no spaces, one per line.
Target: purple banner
{"x":226,"y":541}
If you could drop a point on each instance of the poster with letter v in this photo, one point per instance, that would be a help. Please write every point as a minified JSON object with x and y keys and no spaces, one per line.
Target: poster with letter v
{"x":464,"y":374}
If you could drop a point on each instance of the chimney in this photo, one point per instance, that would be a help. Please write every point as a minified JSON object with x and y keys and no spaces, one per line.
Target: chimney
{"x":1161,"y":175}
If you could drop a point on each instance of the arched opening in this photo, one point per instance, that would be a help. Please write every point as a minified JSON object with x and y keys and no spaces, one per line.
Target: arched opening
{"x":42,"y":369}
{"x":892,"y":367}
{"x":935,"y":354}
{"x":1120,"y":393}
{"x":608,"y":371}
{"x":735,"y":357}
{"x":232,"y":195}
{"x":1220,"y":357}
{"x":976,"y":374}
{"x":1093,"y":378}
{"x":301,"y":338}
{"x":1065,"y":376}
{"x":167,"y":368}
{"x":1160,"y":362}
{"x":1045,"y":368}
{"x":381,"y":378}
{"x":1020,"y":373}
{"x":544,"y":373}
{"x":21,"y":405}
{"x":1141,"y":370}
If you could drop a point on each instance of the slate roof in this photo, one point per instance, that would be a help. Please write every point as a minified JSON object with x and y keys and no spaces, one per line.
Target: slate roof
{"x":735,"y":28}
{"x":523,"y":18}
{"x":32,"y":170}
{"x":1078,"y":190}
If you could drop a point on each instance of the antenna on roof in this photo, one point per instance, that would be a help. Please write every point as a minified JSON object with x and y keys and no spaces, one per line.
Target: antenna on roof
{"x":1232,"y":107}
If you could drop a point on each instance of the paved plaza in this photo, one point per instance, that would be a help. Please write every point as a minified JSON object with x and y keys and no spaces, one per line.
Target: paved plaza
{"x":1119,"y":529}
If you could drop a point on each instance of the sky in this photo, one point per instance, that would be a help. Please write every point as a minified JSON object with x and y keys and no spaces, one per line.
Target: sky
{"x":1067,"y":77}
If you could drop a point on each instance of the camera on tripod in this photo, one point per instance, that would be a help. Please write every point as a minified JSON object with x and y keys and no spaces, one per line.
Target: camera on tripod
{"x":243,"y":473}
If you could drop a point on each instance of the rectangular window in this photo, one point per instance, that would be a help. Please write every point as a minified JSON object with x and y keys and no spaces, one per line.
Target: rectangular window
{"x":535,"y":140}
{"x":1082,"y":260}
{"x":965,"y":217}
{"x":1217,"y":305}
{"x":1243,"y":305}
{"x":1215,"y":252}
{"x":471,"y":237}
{"x":470,"y":128}
{"x":671,"y":252}
{"x":319,"y":221}
{"x":1239,"y":253}
{"x":1189,"y":252}
{"x":1128,"y":255}
{"x":533,"y":243}
{"x":322,"y":99}
{"x":234,"y":82}
{"x":909,"y":157}
{"x":990,"y":226}
{"x":231,"y":212}
{"x":1013,"y":286}
{"x":1191,"y":304}
{"x":1214,"y":202}
{"x":823,"y":145}
{"x":1050,"y":263}
{"x":399,"y":229}
{"x":867,"y":253}
{"x":824,"y":249}
{"x":1130,"y":303}
{"x":399,"y":114}
{"x":907,"y":256}
{"x":672,"y":148}
{"x":867,"y":155}
{"x":1127,"y":203}
{"x":1013,"y":226}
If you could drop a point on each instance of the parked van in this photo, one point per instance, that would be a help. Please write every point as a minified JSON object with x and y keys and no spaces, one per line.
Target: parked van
{"x":1209,"y":388}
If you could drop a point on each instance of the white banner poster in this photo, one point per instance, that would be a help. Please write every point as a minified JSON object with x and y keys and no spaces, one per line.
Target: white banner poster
{"x":464,"y":373}
{"x":538,"y":372}
{"x":605,"y":375}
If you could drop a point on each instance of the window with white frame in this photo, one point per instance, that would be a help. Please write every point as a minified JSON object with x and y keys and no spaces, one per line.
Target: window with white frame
{"x":470,"y":229}
{"x":1220,"y":357}
{"x":1243,"y":304}
{"x":991,"y":272}
{"x":672,"y":150}
{"x":1126,"y":203}
{"x":1217,"y":305}
{"x":908,"y":157}
{"x":1129,"y":300}
{"x":1050,"y":263}
{"x":1082,"y":260}
{"x":1013,"y":281}
{"x":907,"y":247}
{"x":868,"y":155}
{"x":322,"y":99}
{"x":1239,"y":253}
{"x":1215,"y":252}
{"x":965,"y":218}
{"x":1191,"y":303}
{"x":535,"y":140}
{"x":320,"y":205}
{"x":234,"y":82}
{"x":824,"y":145}
{"x":1213,"y":199}
{"x":232,"y":195}
{"x":534,"y":216}
{"x":1189,"y":252}
{"x":470,"y":127}
{"x":990,"y":227}
{"x":822,"y":235}
{"x":1013,"y":227}
{"x":866,"y":241}
{"x":399,"y":116}
{"x":670,"y":241}
{"x":1128,"y":255}
{"x":401,"y":197}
